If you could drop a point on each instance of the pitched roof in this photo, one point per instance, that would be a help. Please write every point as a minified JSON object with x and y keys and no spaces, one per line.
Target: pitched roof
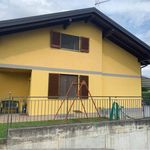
{"x":111,"y":30}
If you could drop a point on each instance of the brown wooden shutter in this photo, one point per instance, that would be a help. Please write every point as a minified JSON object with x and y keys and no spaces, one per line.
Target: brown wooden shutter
{"x":84,"y":45}
{"x":84,"y":90}
{"x":53,"y":87}
{"x":55,"y":39}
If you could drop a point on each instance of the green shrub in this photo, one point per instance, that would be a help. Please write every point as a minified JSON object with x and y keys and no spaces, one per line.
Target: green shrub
{"x":146,"y":98}
{"x":145,"y":89}
{"x":146,"y":95}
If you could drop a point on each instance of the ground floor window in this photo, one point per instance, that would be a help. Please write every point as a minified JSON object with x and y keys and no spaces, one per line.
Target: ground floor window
{"x":65,"y":83}
{"x":59,"y":85}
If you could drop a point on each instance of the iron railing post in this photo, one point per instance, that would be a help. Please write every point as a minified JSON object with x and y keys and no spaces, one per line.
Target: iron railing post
{"x":11,"y":111}
{"x":67,"y":109}
{"x":109,"y":105}
{"x":143,"y":108}
{"x":8,"y":111}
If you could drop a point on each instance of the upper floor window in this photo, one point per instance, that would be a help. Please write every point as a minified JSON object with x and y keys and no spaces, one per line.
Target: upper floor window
{"x":70,"y":42}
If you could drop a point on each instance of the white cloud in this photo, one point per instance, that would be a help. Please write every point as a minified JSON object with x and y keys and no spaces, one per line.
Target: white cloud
{"x":135,"y":11}
{"x":145,"y":36}
{"x":20,"y":8}
{"x":146,"y":71}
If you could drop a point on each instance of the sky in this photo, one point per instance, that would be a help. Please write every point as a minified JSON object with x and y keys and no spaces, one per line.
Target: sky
{"x":133,"y":15}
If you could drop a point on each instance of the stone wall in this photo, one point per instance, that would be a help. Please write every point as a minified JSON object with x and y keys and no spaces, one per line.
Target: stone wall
{"x":106,"y":135}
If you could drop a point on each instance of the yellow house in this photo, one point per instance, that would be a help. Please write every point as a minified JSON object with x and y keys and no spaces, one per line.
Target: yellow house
{"x":42,"y":55}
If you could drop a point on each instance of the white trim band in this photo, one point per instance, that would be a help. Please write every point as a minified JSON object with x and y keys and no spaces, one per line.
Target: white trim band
{"x":66,"y":70}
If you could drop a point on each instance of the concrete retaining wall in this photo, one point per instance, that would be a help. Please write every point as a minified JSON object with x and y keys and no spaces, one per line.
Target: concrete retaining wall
{"x":109,"y":135}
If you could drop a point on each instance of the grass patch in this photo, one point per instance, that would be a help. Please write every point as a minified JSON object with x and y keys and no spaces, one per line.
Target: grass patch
{"x":3,"y":127}
{"x":3,"y":130}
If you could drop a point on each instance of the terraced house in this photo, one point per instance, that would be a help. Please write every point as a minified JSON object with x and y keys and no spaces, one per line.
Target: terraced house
{"x":42,"y":55}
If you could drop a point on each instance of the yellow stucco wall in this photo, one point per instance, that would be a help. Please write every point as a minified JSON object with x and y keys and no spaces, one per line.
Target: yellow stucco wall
{"x":119,"y":86}
{"x":44,"y":106}
{"x":41,"y":87}
{"x":32,"y":48}
{"x":118,"y":61}
{"x":39,"y":83}
{"x":14,"y":83}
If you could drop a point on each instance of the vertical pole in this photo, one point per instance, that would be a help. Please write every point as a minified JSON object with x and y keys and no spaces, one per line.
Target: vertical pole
{"x":11,"y":111}
{"x":109,"y":105}
{"x":7,"y":112}
{"x":67,"y":113}
{"x":143,"y":108}
{"x":8,"y":109}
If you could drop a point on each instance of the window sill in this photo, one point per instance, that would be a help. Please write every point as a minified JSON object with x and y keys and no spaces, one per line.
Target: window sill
{"x":68,"y":50}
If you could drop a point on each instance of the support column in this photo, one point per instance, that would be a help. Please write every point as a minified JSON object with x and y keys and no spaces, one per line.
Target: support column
{"x":38,"y":88}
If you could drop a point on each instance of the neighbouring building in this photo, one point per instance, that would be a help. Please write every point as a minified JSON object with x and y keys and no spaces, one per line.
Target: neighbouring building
{"x":145,"y":82}
{"x":41,"y":55}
